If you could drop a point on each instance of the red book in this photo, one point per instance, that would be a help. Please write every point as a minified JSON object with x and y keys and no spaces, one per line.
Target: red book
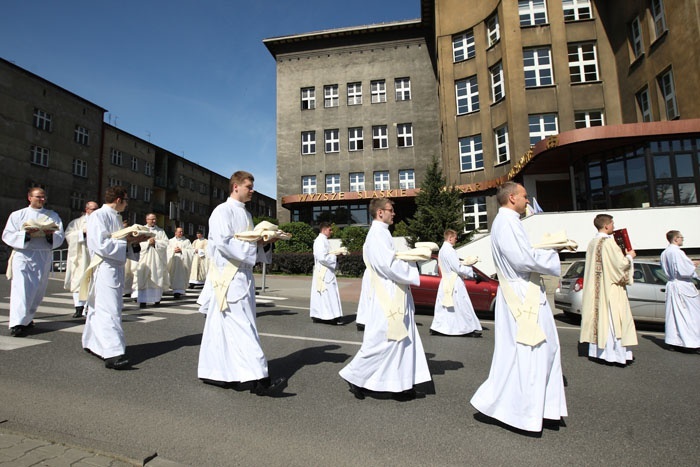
{"x":623,"y":240}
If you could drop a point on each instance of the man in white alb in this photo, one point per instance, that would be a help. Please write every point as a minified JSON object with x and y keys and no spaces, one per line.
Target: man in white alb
{"x":325,"y":304}
{"x":198,"y":271}
{"x":78,"y":256}
{"x":179,"y":262}
{"x":151,"y":275}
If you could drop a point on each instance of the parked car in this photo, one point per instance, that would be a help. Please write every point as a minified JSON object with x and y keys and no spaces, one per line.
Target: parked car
{"x":482,"y":290}
{"x":647,"y":295}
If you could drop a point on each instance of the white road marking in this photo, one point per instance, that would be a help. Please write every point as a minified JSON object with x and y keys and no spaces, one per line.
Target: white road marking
{"x":12,"y":343}
{"x":315,"y":339}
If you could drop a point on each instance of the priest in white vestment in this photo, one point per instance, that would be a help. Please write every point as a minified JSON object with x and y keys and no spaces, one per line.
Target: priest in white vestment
{"x":180,"y":254}
{"x":32,"y":233}
{"x":230,"y":352}
{"x":103,"y":335}
{"x":152,"y":271}
{"x":391,"y":358}
{"x":606,"y":318}
{"x":454,"y":313}
{"x":325,"y":304}
{"x":682,"y":297}
{"x":78,"y":256}
{"x":525,"y":385}
{"x":198,"y":271}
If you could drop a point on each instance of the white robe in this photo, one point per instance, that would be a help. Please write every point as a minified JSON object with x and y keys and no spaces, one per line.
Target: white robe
{"x":200,"y":259}
{"x":78,"y":257}
{"x":151,"y":275}
{"x":179,"y":264}
{"x":381,"y":364}
{"x":324,"y":305}
{"x":230,"y":349}
{"x":682,"y":299}
{"x":525,"y":384}
{"x":458,"y":319}
{"x":103,"y":334}
{"x":31,"y":263}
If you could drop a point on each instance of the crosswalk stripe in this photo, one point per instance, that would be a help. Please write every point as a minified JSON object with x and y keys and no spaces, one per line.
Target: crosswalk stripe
{"x":12,"y":343}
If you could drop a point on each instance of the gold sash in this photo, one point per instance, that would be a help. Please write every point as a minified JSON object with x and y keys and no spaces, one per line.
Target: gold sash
{"x":394,"y":308}
{"x":525,"y":311}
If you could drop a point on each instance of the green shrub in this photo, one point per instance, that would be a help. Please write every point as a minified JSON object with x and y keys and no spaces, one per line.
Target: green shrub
{"x":292,"y":263}
{"x":353,"y":237}
{"x":351,"y":265}
{"x":302,"y":240}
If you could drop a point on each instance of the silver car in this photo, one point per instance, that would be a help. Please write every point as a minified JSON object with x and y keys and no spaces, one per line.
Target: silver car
{"x":647,"y":295}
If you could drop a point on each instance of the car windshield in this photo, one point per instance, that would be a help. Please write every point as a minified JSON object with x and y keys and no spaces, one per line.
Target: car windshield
{"x":575,"y":270}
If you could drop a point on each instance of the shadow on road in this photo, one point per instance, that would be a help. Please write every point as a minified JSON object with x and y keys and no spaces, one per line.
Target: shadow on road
{"x":141,"y":352}
{"x":288,"y":365}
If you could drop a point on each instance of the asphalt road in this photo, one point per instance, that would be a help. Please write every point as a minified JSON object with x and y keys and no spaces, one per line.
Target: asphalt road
{"x":646,"y":414}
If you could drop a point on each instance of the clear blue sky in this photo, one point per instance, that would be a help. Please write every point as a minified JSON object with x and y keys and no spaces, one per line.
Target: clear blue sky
{"x":192,"y":77}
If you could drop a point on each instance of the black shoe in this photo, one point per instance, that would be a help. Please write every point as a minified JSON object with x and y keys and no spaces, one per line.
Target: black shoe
{"x":117,"y":363}
{"x":360,"y":327}
{"x":156,"y":304}
{"x":177,"y":296}
{"x":18,"y":331}
{"x":142,"y":305}
{"x":566,"y":381}
{"x":30,"y":325}
{"x":436,"y":333}
{"x":78,"y":312}
{"x":266,"y":387}
{"x":408,"y":395}
{"x":339,"y":322}
{"x":356,"y":391}
{"x":316,"y":320}
{"x":473,"y":334}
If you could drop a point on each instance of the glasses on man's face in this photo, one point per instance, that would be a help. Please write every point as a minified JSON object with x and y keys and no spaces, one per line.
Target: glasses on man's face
{"x":388,"y":209}
{"x":39,"y":197}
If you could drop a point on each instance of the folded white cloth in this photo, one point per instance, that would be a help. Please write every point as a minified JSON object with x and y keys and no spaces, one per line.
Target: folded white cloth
{"x":340,"y":251}
{"x":43,"y":223}
{"x":556,"y":241}
{"x":415,"y":254}
{"x":264,"y":230}
{"x":469,"y":260}
{"x":135,"y":230}
{"x":432,"y":245}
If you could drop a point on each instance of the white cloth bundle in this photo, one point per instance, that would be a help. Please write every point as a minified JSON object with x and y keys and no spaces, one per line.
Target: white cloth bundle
{"x":43,"y":223}
{"x":264,"y":230}
{"x":340,"y":251}
{"x":135,"y":230}
{"x":432,"y":245}
{"x":415,"y":254}
{"x":469,"y":260}
{"x":557,"y":241}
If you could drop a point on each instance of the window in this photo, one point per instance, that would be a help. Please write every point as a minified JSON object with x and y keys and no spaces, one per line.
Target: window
{"x":588,"y":119}
{"x":148,"y":168}
{"x":380,"y":137}
{"x":537,"y":64}
{"x":355,"y":139}
{"x":357,"y":181}
{"x":378,"y":91}
{"x":333,"y":183}
{"x":40,"y":156}
{"x":542,"y":126}
{"x":467,"y":94}
{"x":114,"y":182}
{"x":332,"y":140}
{"x":636,"y":38}
{"x":407,"y":179}
{"x":308,"y":142}
{"x":330,"y":96}
{"x":493,"y":31}
{"x":79,"y":168}
{"x":502,"y":152}
{"x":463,"y":46}
{"x":657,"y":13}
{"x":474,"y":212}
{"x":115,"y":157}
{"x":308,"y":184}
{"x":576,"y":10}
{"x":583,"y":64}
{"x":404,"y":135}
{"x":82,"y":135}
{"x":134,"y":192}
{"x":532,"y":12}
{"x":668,"y":91}
{"x":381,"y":180}
{"x":308,"y":98}
{"x":643,"y":105}
{"x":146,"y":194}
{"x":497,"y":89}
{"x":403,"y":89}
{"x":354,"y":93}
{"x":42,"y":120}
{"x":471,"y":153}
{"x":77,"y":201}
{"x":134,"y":163}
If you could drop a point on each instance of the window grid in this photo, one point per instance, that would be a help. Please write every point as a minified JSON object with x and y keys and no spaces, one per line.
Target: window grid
{"x":148,"y":168}
{"x":583,"y":63}
{"x":588,"y":119}
{"x":331,"y":140}
{"x":355,"y":139}
{"x":80,"y":168}
{"x":354,"y":93}
{"x":380,"y":137}
{"x":532,"y":12}
{"x":42,"y":120}
{"x":537,"y":64}
{"x":330,"y":96}
{"x":82,"y":135}
{"x":403,"y":89}
{"x":381,"y":180}
{"x":467,"y":95}
{"x":134,"y":192}
{"x":357,"y":181}
{"x":493,"y":30}
{"x":404,"y":135}
{"x":146,"y":194}
{"x":475,"y":215}
{"x":542,"y":126}
{"x":576,"y":10}
{"x":114,"y":181}
{"x":471,"y":153}
{"x":116,"y":157}
{"x":643,"y":105}
{"x":308,"y":142}
{"x":497,"y":88}
{"x":308,"y":98}
{"x":134,"y":163}
{"x":668,"y":91}
{"x":378,"y":91}
{"x":77,"y":200}
{"x":657,"y":12}
{"x":407,"y":179}
{"x":40,"y":156}
{"x":636,"y":37}
{"x":463,"y":46}
{"x":502,"y":151}
{"x":308,"y":184}
{"x":333,"y":183}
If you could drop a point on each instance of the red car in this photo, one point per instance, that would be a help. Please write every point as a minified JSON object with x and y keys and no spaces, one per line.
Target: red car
{"x":482,"y":290}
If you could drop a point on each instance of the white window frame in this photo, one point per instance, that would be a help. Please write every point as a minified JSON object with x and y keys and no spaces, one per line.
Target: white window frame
{"x":308,"y":184}
{"x":404,"y":135}
{"x":356,"y":140}
{"x":42,"y":120}
{"x":577,"y":10}
{"x":114,"y":181}
{"x":134,"y":163}
{"x":331,"y":98}
{"x":589,"y":118}
{"x":77,"y":200}
{"x":357,"y":181}
{"x":532,"y":12}
{"x":644,"y":104}
{"x":583,"y":62}
{"x":493,"y":30}
{"x":636,"y":41}
{"x":116,"y":157}
{"x":467,"y":95}
{"x":407,"y":179}
{"x":498,"y":90}
{"x":543,"y":72}
{"x":471,"y":153}
{"x":82,"y":135}
{"x":331,"y":140}
{"x":502,"y":147}
{"x":474,"y":212}
{"x":146,"y":194}
{"x":463,"y":46}
{"x":332,"y":183}
{"x":378,"y":91}
{"x":148,"y":169}
{"x":381,"y":180}
{"x":667,"y":88}
{"x":402,"y":87}
{"x":134,"y":192}
{"x":355,"y":93}
{"x":80,"y":168}
{"x":380,"y":137}
{"x":658,"y":17}
{"x":308,"y":142}
{"x":40,"y":156}
{"x":542,"y":126}
{"x":308,"y":98}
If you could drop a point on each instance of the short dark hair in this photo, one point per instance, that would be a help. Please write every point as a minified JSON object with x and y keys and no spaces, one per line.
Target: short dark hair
{"x":504,"y":191}
{"x":238,"y":178}
{"x":449,"y":233}
{"x":672,"y":234}
{"x":114,"y":192}
{"x":376,"y":204}
{"x":601,"y":220}
{"x":324,"y":225}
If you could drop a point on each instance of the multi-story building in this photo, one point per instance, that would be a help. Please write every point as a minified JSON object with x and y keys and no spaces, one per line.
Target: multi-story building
{"x":357,"y":118}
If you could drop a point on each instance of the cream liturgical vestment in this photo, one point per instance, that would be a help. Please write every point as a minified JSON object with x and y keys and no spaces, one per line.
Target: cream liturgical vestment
{"x":230,"y":350}
{"x":151,"y":275}
{"x":198,"y":270}
{"x":525,"y":383}
{"x":454,"y":314}
{"x":682,"y":299}
{"x":383,"y":363}
{"x":179,"y":264}
{"x":78,"y":256}
{"x":325,"y":298}
{"x":606,"y":318}
{"x":30,"y":262}
{"x":103,"y":334}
